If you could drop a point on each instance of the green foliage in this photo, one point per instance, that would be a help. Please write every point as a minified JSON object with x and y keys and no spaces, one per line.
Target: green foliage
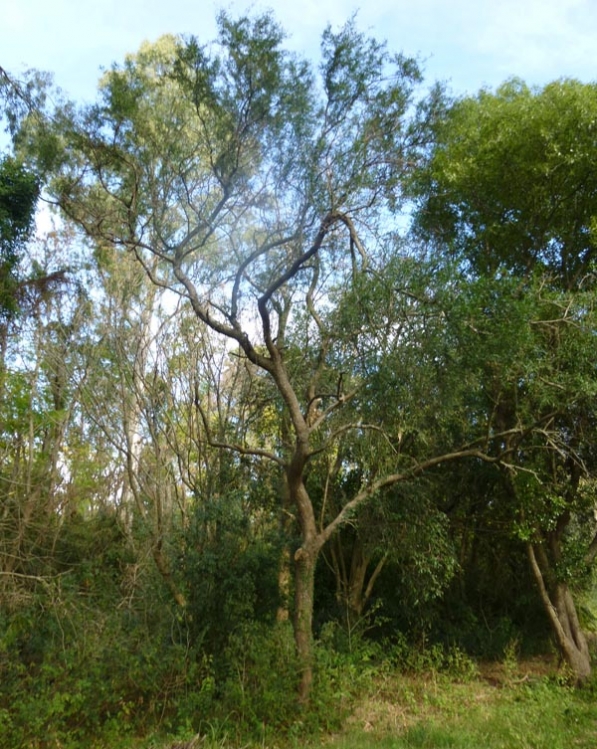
{"x":254,"y":695}
{"x":85,"y":657}
{"x":19,"y":192}
{"x":95,"y":686}
{"x":260,"y":688}
{"x":230,"y":570}
{"x":511,"y":184}
{"x":428,"y":658}
{"x":265,"y":193}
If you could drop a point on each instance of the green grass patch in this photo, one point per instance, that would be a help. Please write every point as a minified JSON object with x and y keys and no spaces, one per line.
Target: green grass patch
{"x":442,"y":714}
{"x":499,"y":710}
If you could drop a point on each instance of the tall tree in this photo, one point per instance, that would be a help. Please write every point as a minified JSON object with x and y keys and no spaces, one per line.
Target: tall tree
{"x":262,"y":193}
{"x":510,"y":192}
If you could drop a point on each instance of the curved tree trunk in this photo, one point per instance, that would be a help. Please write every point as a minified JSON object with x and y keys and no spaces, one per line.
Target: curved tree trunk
{"x":561,"y":610}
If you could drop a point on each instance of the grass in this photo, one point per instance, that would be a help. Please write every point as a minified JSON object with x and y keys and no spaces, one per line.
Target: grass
{"x":525,"y":711}
{"x":503,"y":707}
{"x":518,"y":718}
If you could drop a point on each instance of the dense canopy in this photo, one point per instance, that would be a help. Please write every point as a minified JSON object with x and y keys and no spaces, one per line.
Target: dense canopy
{"x":305,"y":372}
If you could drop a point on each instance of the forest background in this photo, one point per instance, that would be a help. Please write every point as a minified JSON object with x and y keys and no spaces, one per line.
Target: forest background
{"x":302,"y":376}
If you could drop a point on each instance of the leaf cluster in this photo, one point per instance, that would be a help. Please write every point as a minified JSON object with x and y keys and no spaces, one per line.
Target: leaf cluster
{"x":510,"y":184}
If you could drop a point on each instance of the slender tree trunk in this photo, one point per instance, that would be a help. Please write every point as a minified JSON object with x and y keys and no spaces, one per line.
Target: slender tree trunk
{"x":355,"y":587}
{"x":305,"y":561}
{"x":285,"y":560}
{"x":284,"y":579}
{"x":575,"y":646}
{"x":561,"y":610}
{"x":164,"y":569}
{"x":360,"y":588}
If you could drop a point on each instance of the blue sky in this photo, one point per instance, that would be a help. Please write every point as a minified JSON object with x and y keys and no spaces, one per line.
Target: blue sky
{"x":466,"y":42}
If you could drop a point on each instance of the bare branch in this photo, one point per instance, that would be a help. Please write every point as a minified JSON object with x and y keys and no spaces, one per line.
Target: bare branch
{"x":341,"y":400}
{"x":233,"y":447}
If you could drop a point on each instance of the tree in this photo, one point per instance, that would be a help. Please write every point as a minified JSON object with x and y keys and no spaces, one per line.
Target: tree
{"x":545,"y":376}
{"x":39,"y":399}
{"x":510,"y":192}
{"x":19,"y":192}
{"x":511,"y":184}
{"x":261,"y":194}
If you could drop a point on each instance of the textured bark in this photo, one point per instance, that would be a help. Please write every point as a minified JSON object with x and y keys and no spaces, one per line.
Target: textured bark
{"x":285,"y":561}
{"x":561,"y":611}
{"x":305,"y":562}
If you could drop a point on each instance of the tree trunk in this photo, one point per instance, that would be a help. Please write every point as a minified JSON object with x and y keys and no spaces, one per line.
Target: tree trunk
{"x":574,"y":645}
{"x":353,"y":588}
{"x":284,"y":580}
{"x":561,"y":610}
{"x":305,"y":561}
{"x":163,"y":568}
{"x":285,"y":560}
{"x":359,"y":588}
